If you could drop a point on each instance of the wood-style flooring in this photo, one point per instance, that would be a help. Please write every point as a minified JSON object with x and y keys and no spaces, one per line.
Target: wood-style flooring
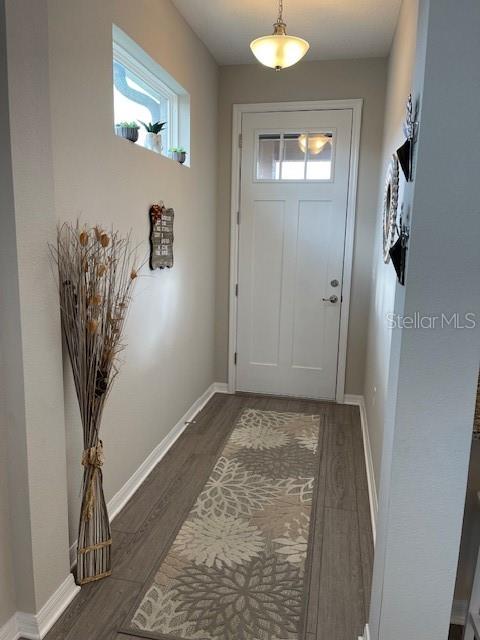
{"x":340,"y":567}
{"x":456,"y":632}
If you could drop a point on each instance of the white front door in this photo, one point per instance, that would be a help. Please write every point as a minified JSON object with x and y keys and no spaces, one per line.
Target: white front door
{"x":293,"y":207}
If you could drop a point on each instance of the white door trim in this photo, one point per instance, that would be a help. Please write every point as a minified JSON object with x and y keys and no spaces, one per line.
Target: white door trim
{"x":238,"y":110}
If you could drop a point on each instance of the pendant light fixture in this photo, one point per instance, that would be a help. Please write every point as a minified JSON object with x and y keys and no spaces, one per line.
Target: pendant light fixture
{"x":279,"y":50}
{"x":315,"y":143}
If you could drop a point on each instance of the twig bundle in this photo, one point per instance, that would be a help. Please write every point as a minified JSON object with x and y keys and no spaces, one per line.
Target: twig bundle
{"x":96,"y":278}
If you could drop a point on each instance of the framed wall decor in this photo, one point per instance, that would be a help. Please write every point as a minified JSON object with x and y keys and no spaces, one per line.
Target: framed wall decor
{"x":405,"y":152}
{"x":398,"y":251}
{"x":161,"y":236}
{"x":390,"y":206}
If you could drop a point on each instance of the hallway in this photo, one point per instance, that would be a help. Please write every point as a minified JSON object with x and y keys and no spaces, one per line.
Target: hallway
{"x":340,"y":556}
{"x":208,"y":245}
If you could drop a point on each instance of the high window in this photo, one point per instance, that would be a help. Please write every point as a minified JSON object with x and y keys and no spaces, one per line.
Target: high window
{"x":144,"y":92}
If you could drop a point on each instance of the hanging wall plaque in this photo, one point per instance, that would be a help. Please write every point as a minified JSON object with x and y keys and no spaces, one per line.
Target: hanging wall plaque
{"x":161,"y":236}
{"x":405,"y":152}
{"x":390,"y":205}
{"x":398,"y":252}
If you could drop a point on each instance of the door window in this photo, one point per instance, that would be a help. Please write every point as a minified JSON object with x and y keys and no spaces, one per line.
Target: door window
{"x":288,"y":156}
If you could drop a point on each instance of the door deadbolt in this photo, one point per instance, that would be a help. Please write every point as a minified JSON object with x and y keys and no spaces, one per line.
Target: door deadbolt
{"x":334,"y":283}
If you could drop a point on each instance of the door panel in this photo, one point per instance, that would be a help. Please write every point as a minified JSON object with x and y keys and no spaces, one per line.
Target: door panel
{"x":294,"y":186}
{"x":266,"y":278}
{"x":309,"y":310}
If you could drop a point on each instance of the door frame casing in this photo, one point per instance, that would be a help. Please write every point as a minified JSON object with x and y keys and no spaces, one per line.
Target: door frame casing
{"x":356,"y":106}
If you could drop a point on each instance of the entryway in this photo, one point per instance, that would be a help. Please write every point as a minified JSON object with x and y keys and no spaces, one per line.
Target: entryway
{"x":296,"y":191}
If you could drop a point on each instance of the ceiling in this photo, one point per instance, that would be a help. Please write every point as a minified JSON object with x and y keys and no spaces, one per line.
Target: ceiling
{"x":334,"y":28}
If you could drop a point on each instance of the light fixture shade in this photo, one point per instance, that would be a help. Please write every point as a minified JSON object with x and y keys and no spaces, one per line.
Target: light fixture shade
{"x":279,"y":51}
{"x":315,"y":143}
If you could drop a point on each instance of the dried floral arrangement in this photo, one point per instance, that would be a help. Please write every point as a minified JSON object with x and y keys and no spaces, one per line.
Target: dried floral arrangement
{"x":96,"y":275}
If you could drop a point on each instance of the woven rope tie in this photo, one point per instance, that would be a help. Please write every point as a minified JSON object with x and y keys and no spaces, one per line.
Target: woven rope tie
{"x":92,"y":457}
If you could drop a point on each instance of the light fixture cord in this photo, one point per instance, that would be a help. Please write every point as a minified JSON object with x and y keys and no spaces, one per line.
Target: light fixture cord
{"x":280,"y":11}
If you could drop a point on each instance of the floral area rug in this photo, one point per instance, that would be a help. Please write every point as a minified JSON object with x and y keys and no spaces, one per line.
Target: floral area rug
{"x":235,"y":570}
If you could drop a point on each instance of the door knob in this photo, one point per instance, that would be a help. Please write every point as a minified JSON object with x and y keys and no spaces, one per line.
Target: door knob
{"x":332,"y":299}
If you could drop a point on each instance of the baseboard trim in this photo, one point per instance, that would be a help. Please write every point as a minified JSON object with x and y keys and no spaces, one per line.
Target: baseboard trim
{"x":9,"y":631}
{"x":36,"y":626}
{"x":366,"y":634}
{"x":459,"y":612}
{"x":221,"y":387}
{"x":123,"y":495}
{"x":359,"y":401}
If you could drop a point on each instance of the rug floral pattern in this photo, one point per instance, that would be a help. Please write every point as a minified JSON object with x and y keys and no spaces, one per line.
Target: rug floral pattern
{"x":235,"y":571}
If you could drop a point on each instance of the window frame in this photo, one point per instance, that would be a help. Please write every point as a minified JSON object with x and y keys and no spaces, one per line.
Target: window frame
{"x":156,"y":87}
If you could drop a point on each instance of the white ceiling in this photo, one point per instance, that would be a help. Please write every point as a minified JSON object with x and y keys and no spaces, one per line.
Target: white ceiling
{"x":334,"y":28}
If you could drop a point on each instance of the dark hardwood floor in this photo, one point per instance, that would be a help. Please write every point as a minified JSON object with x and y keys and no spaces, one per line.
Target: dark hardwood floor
{"x":340,"y":567}
{"x":456,"y":632}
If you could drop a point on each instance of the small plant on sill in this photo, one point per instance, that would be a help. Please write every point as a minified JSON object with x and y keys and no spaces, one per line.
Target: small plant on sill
{"x":179,"y":154}
{"x":153,"y":138}
{"x":153,"y":127}
{"x":127,"y":130}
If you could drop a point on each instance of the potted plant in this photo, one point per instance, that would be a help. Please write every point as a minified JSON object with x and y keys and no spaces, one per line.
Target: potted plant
{"x":153,"y":139}
{"x":179,"y":154}
{"x":127,"y":130}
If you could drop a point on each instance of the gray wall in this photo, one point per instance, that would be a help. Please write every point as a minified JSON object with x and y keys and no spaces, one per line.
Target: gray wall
{"x":432,"y":377}
{"x":399,"y":84}
{"x":106,"y":180}
{"x":470,"y":533}
{"x":7,"y":590}
{"x":8,"y":298}
{"x":64,"y":161}
{"x":30,"y":337}
{"x":383,"y":278}
{"x":307,"y":81}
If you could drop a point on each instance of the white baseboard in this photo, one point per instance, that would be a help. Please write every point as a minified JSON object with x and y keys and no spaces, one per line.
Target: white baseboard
{"x":36,"y":626}
{"x":366,"y":633}
{"x":120,"y":499}
{"x":9,"y":631}
{"x":459,"y":612}
{"x":221,"y":387}
{"x":359,"y":401}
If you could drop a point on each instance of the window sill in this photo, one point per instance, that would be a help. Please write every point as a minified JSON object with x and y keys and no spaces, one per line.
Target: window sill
{"x":186,"y":164}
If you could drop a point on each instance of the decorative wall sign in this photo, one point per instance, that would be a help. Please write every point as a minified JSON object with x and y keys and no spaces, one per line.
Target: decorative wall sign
{"x":390,"y":205}
{"x":409,"y":127}
{"x":405,"y":152}
{"x":398,"y":252}
{"x":161,"y":236}
{"x":396,"y":236}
